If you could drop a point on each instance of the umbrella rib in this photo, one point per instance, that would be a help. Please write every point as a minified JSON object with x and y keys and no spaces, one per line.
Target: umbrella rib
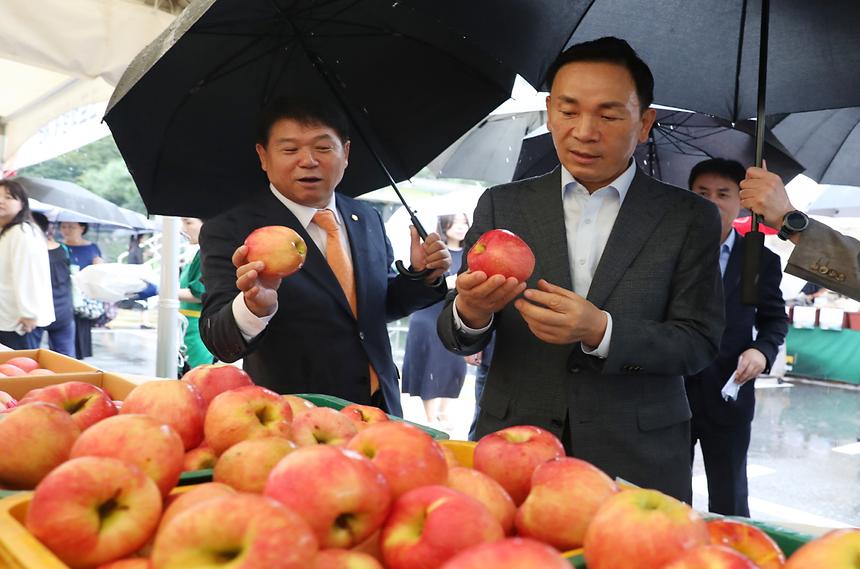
{"x":742,"y":30}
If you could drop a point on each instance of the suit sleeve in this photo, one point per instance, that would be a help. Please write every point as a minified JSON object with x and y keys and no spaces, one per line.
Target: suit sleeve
{"x":218,"y":328}
{"x":688,"y":338}
{"x":771,"y":321}
{"x":450,"y":336}
{"x":826,"y":257}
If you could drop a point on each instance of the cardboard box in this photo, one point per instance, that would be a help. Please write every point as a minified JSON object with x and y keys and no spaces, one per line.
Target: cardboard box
{"x":57,"y":363}
{"x":117,"y":386}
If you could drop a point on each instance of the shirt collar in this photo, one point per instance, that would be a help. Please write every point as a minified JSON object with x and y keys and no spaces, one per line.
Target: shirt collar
{"x":621,"y":183}
{"x":730,"y":240}
{"x":305,"y":214}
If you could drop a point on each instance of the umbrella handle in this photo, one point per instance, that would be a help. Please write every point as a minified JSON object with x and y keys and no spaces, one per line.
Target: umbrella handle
{"x":401,"y":268}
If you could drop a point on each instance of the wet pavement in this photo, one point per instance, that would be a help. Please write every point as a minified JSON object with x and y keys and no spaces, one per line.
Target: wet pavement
{"x":804,"y":459}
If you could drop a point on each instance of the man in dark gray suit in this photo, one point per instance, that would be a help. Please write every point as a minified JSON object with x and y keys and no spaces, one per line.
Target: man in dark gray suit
{"x":626,"y":296}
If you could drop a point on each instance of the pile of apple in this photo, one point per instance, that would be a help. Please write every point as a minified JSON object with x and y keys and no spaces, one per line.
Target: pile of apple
{"x":298,"y":486}
{"x":22,"y":366}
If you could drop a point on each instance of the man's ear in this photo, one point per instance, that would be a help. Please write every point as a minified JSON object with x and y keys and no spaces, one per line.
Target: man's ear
{"x":261,"y":153}
{"x":346,"y":146}
{"x":648,"y":119}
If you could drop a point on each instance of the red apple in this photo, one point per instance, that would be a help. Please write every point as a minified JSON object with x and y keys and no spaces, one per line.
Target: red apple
{"x":176,"y":403}
{"x":130,"y":563}
{"x":711,"y":557}
{"x":6,"y":401}
{"x":510,"y":456}
{"x":200,"y":458}
{"x":298,"y":404}
{"x":212,"y":379}
{"x":251,"y":412}
{"x":364,"y":415}
{"x":749,"y":540}
{"x":40,"y":436}
{"x":177,"y":503}
{"x":406,"y":455}
{"x":643,"y":525}
{"x":92,"y":510}
{"x":9,"y":370}
{"x":323,"y":426}
{"x":511,"y":553}
{"x":343,"y":559}
{"x":244,"y":531}
{"x":487,"y":491}
{"x":838,"y":549}
{"x":41,"y":371}
{"x":341,"y":494}
{"x":500,"y":252}
{"x":24,"y":363}
{"x":141,"y":440}
{"x":246,"y":465}
{"x":430,"y":525}
{"x":86,"y":403}
{"x":281,"y":250}
{"x":565,"y":495}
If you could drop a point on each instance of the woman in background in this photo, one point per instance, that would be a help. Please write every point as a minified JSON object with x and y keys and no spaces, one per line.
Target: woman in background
{"x":430,"y":371}
{"x":25,"y":275}
{"x":61,"y":333}
{"x":190,"y":292}
{"x":84,"y":253}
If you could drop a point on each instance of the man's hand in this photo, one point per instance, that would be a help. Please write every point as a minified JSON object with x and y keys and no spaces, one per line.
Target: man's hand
{"x":763,"y":193}
{"x":750,"y":364}
{"x":559,"y":316}
{"x":261,"y":293}
{"x":28,"y":324}
{"x":479,"y":297}
{"x":432,"y":255}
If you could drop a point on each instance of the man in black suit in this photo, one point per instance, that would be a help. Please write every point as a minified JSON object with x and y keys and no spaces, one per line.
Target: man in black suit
{"x":722,"y":426}
{"x":314,"y":331}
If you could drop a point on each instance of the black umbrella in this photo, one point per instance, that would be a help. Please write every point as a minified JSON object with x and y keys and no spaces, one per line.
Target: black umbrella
{"x":827,"y":142}
{"x":678,"y":141}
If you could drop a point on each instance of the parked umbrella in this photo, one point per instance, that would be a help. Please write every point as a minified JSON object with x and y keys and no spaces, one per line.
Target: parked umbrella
{"x":73,"y":198}
{"x":837,"y":201}
{"x":678,"y":141}
{"x":826,"y":142}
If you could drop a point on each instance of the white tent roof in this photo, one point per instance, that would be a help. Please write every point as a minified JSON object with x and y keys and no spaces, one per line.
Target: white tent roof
{"x":60,"y":55}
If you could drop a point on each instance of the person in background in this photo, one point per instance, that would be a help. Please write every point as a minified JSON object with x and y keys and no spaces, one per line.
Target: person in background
{"x":430,"y":371}
{"x":25,"y":275}
{"x":61,"y":333}
{"x":83,"y":253}
{"x":723,"y":426}
{"x":190,"y":292}
{"x":482,"y":360}
{"x":135,"y":253}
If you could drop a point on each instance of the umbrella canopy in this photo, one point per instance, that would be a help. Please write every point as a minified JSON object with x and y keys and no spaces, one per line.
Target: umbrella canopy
{"x":59,"y":215}
{"x":837,"y":201}
{"x":826,"y":142}
{"x":679,"y":140}
{"x":411,"y":74}
{"x":73,"y":198}
{"x":705,"y":54}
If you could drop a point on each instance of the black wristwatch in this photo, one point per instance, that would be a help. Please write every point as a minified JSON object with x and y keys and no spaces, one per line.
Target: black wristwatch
{"x":793,"y":222}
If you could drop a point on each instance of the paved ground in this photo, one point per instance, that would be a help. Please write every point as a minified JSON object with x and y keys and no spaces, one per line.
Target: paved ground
{"x":804,"y":460}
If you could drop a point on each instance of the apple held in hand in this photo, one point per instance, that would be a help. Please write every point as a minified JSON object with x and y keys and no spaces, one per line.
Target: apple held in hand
{"x":642,"y":525}
{"x":340,"y":493}
{"x":245,"y":466}
{"x":512,"y":553}
{"x":281,"y":249}
{"x":430,"y":525}
{"x":251,"y":412}
{"x":40,"y":436}
{"x":244,"y":531}
{"x":500,"y":252}
{"x":86,"y":403}
{"x":176,"y":403}
{"x":748,"y":540}
{"x":92,"y":510}
{"x":323,"y":426}
{"x":839,"y":549}
{"x":711,"y":557}
{"x":565,"y":495}
{"x":510,"y":456}
{"x":212,"y":379}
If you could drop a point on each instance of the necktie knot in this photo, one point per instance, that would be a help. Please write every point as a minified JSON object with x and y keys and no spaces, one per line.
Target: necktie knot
{"x":325,"y":219}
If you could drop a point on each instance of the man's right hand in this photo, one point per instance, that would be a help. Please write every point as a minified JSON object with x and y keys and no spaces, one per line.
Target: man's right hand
{"x":479,"y":297}
{"x":261,"y":293}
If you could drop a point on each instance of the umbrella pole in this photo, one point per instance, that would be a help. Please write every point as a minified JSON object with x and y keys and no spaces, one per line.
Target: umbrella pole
{"x":167,"y":350}
{"x":754,"y":240}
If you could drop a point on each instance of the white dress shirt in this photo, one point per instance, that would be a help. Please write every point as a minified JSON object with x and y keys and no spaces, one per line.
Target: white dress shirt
{"x":726,"y":251}
{"x":588,"y":221}
{"x":249,"y":323}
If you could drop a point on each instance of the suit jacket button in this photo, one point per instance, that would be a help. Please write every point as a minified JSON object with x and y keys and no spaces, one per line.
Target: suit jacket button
{"x":575,"y":369}
{"x":361,"y":336}
{"x":823,"y":270}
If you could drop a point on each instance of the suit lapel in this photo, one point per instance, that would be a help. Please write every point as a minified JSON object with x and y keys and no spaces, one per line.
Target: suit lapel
{"x":732,"y":276}
{"x":541,"y":203}
{"x":643,"y":208}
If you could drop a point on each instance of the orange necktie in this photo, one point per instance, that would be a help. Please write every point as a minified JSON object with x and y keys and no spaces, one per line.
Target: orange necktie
{"x":340,"y":264}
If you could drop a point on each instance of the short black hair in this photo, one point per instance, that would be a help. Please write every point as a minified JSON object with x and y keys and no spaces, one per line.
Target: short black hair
{"x":303,"y":110}
{"x":42,"y":221}
{"x":18,"y":193}
{"x":722,"y":167}
{"x":609,"y":50}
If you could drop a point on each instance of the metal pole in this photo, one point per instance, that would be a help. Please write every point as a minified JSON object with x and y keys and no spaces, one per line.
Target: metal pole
{"x":167,"y":355}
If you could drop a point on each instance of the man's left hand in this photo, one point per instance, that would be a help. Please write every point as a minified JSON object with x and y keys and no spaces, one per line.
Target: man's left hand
{"x":559,"y":316}
{"x":432,"y":255}
{"x":750,"y":364}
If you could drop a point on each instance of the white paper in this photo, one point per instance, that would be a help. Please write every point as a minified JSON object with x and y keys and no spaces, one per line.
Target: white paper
{"x":730,"y":389}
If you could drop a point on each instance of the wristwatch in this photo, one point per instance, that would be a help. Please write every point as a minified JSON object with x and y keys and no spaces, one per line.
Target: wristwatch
{"x":793,"y":222}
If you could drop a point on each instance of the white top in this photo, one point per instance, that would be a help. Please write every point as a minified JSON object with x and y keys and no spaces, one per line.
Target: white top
{"x":250,"y":324}
{"x":25,"y":278}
